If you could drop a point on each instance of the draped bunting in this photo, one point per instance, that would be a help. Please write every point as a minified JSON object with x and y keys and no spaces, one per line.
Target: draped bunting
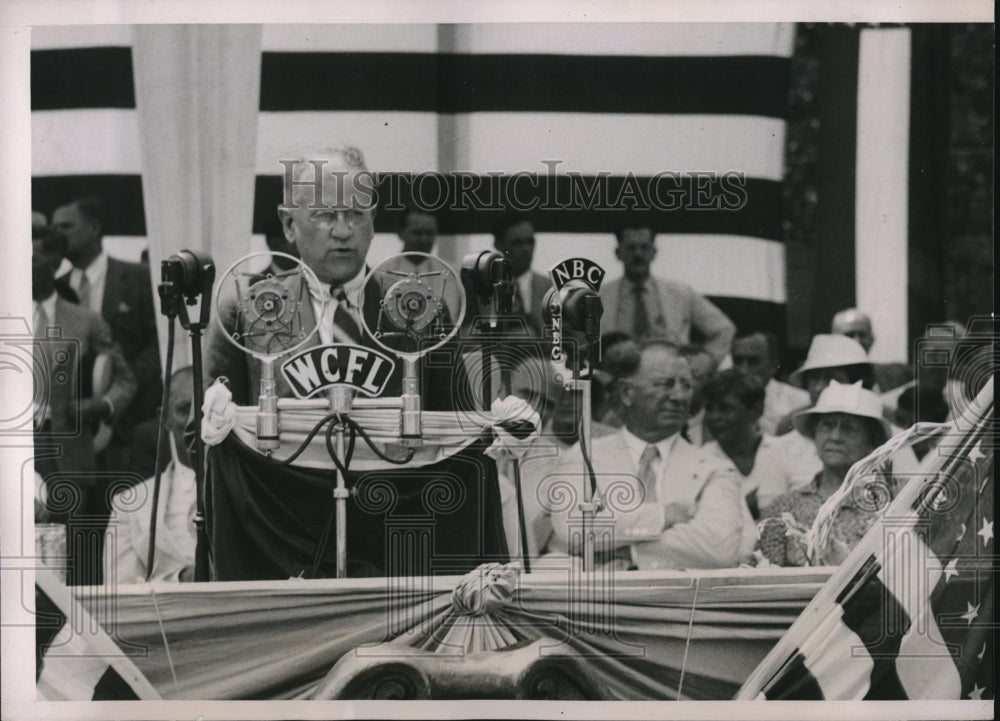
{"x":267,"y":519}
{"x":689,"y":635}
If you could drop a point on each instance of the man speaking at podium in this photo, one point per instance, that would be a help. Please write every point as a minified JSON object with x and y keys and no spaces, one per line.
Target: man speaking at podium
{"x":266,"y":519}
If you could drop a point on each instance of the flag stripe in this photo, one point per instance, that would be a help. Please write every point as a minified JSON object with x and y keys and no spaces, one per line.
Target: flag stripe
{"x":463,"y":83}
{"x":67,"y":148}
{"x":879,"y":620}
{"x":755,"y":212}
{"x":505,"y":142}
{"x":82,"y":78}
{"x":122,"y":195}
{"x":796,"y":683}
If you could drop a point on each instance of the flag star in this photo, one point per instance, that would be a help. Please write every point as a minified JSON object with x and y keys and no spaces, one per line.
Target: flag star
{"x":971,"y":614}
{"x":976,"y":694}
{"x":982,"y":652}
{"x":986,"y":531}
{"x":951,"y":569}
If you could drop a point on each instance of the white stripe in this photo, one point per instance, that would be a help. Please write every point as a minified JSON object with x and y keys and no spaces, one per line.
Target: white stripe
{"x":882,"y":183}
{"x":650,"y":39}
{"x":911,"y":571}
{"x":368,"y":38}
{"x":752,"y":269}
{"x":840,"y":662}
{"x":93,"y":141}
{"x":127,"y":247}
{"x":391,"y":141}
{"x":58,"y":37}
{"x":617,"y":144}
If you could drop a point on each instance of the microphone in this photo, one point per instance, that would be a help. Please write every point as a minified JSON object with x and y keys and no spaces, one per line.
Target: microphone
{"x":574,"y":310}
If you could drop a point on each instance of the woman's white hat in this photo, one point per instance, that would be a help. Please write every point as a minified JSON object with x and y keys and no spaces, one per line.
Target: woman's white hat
{"x":831,"y":351}
{"x":852,"y":399}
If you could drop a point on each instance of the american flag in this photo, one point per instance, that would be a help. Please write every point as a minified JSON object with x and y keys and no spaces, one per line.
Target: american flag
{"x":909,"y":615}
{"x":75,"y":660}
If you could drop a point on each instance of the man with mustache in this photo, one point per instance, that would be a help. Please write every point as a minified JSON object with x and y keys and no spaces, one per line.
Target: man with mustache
{"x":672,"y":505}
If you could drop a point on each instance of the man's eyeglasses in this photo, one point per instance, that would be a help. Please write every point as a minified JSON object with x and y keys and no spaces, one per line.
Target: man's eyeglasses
{"x":352,"y":217}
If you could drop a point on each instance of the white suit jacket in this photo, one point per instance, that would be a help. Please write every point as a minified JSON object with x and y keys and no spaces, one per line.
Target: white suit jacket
{"x":126,"y":542}
{"x":707,"y":487}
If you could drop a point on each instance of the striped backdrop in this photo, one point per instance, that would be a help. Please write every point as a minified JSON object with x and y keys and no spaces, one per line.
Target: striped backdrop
{"x":616,"y":105}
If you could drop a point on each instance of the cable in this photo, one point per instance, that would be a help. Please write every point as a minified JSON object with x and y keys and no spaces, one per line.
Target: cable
{"x":308,"y":439}
{"x":160,"y":431}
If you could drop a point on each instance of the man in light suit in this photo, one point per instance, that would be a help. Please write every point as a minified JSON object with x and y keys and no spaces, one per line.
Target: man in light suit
{"x":670,"y":504}
{"x":649,"y":307}
{"x":122,"y":294}
{"x":69,"y":340}
{"x":126,"y":543}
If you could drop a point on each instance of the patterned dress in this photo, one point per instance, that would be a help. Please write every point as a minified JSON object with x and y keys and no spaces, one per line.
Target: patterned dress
{"x":785,"y":521}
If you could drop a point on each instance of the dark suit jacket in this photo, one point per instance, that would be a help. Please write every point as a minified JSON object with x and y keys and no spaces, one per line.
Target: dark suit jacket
{"x":81,"y":335}
{"x":443,"y":378}
{"x":129,"y":309}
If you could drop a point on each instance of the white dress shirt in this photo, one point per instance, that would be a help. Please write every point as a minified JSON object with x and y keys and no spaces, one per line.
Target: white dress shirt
{"x":524,"y":289}
{"x":636,"y":446}
{"x":96,"y":272}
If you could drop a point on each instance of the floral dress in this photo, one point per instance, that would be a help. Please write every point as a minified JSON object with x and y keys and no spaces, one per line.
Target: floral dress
{"x":784,"y":523}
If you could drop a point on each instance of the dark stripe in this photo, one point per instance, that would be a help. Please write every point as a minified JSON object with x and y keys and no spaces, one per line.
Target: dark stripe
{"x":751,"y":315}
{"x":112,"y":687}
{"x":730,"y":206}
{"x":465,"y":83}
{"x":931,"y":187}
{"x":49,"y":621}
{"x":82,"y":78}
{"x":122,"y":196}
{"x":833,"y":283}
{"x":794,"y":683}
{"x":879,"y":620}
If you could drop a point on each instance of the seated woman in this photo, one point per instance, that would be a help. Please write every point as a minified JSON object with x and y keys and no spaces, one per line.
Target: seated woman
{"x":734,"y":404}
{"x":846,"y":424}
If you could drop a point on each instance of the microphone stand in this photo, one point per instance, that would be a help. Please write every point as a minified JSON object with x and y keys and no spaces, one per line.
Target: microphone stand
{"x":593,"y":310}
{"x":173,"y":301}
{"x":341,"y":400}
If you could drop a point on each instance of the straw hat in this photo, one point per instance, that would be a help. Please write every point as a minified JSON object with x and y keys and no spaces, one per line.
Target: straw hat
{"x":852,"y":399}
{"x":831,"y":351}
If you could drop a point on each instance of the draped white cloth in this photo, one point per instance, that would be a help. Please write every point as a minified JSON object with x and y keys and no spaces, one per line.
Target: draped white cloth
{"x":197,"y":96}
{"x":658,"y":635}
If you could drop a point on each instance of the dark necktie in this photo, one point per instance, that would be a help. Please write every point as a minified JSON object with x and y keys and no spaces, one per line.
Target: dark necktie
{"x":640,"y":318}
{"x":83,"y":292}
{"x":646,"y":474}
{"x":343,"y":317}
{"x":517,"y":307}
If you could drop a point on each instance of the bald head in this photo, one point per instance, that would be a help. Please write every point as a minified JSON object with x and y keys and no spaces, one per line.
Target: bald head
{"x":854,"y":324}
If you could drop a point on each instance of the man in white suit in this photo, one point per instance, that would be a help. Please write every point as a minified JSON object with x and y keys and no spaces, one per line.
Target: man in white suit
{"x":669,"y":504}
{"x":126,"y":544}
{"x":649,"y":307}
